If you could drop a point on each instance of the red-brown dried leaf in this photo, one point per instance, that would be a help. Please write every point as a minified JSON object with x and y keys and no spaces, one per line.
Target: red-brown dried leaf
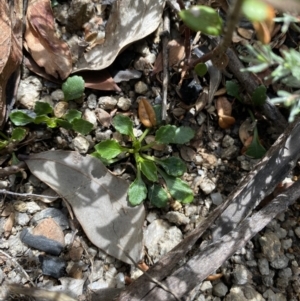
{"x":146,"y":113}
{"x":45,"y":47}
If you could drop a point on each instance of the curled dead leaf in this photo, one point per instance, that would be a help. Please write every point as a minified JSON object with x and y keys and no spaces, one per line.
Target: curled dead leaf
{"x":246,"y":131}
{"x":223,"y":106}
{"x":226,"y":122}
{"x":146,"y":113}
{"x":45,"y":47}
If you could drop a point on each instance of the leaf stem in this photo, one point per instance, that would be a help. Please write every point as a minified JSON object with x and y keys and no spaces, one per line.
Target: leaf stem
{"x":147,"y":130}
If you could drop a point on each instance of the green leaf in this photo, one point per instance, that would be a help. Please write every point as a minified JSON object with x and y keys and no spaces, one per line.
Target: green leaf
{"x":20,"y":118}
{"x":178,"y":189}
{"x":202,"y":18}
{"x":81,"y":126}
{"x":173,"y":166}
{"x":109,"y":149}
{"x":255,"y":10}
{"x":123,"y":124}
{"x":165,"y":134}
{"x":255,"y":149}
{"x":50,"y":121}
{"x":233,"y":89}
{"x":183,"y":135}
{"x":3,"y":144}
{"x":137,"y":192}
{"x":201,"y":69}
{"x":42,"y":108}
{"x":18,"y":134}
{"x":73,"y":87}
{"x":149,"y":169}
{"x":72,"y":114}
{"x":158,"y":196}
{"x":259,"y":95}
{"x":64,"y":124}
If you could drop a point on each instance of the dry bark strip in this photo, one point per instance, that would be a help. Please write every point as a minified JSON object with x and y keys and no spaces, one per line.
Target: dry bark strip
{"x":279,"y":160}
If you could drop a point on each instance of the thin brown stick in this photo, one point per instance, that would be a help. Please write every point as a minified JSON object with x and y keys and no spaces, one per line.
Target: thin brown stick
{"x":10,"y":170}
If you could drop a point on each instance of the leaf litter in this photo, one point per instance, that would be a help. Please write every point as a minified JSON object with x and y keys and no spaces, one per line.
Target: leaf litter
{"x":98,"y":199}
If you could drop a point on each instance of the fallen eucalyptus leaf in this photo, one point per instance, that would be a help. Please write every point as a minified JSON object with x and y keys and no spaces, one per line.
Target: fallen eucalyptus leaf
{"x":129,"y":21}
{"x":98,"y":199}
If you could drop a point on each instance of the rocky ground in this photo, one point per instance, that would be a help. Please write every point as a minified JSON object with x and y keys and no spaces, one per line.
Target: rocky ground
{"x":41,"y":245}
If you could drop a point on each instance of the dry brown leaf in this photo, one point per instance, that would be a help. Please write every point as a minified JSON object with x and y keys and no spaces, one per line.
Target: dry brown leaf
{"x":103,"y":117}
{"x":221,"y":61}
{"x":246,"y":131}
{"x":176,"y":55}
{"x":10,"y":47}
{"x":45,"y":47}
{"x":146,"y":112}
{"x":224,"y":110}
{"x":8,"y":225}
{"x":245,"y":33}
{"x":128,"y":22}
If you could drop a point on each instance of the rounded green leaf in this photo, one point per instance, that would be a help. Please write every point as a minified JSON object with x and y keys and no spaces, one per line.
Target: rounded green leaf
{"x":201,"y":69}
{"x":81,"y":126}
{"x":202,"y":18}
{"x":20,"y":118}
{"x":123,"y":124}
{"x":183,"y":135}
{"x":255,"y":149}
{"x":64,"y":124}
{"x":158,"y":196}
{"x":149,"y":169}
{"x":259,"y":95}
{"x":109,"y":149}
{"x":18,"y":134}
{"x":173,"y":166}
{"x":165,"y":134}
{"x":72,"y":114}
{"x":255,"y":10}
{"x":73,"y":87}
{"x":42,"y":108}
{"x":137,"y":192}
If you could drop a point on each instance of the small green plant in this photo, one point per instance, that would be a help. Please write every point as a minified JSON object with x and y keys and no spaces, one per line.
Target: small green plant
{"x":159,"y":179}
{"x":17,"y":135}
{"x":73,"y":88}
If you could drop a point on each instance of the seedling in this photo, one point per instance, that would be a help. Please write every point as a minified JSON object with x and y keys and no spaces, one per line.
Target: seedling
{"x":159,"y":179}
{"x":73,"y":88}
{"x":17,"y":135}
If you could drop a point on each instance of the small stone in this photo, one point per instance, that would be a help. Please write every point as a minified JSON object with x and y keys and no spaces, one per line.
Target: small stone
{"x":281,"y":233}
{"x":245,"y":165}
{"x":216,"y":198}
{"x":206,"y":286}
{"x":210,"y":161}
{"x":297,"y":232}
{"x":124,"y":103}
{"x":98,"y":270}
{"x":220,"y":289}
{"x":241,"y":274}
{"x":58,"y":95}
{"x":263,"y":266}
{"x":229,"y":152}
{"x":81,"y":144}
{"x":207,"y":185}
{"x":286,"y":243}
{"x":280,"y":263}
{"x":268,"y":280}
{"x":120,"y":280}
{"x":33,"y":207}
{"x":191,"y":209}
{"x":90,"y":116}
{"x":151,"y":216}
{"x":177,"y":218}
{"x":107,"y":102}
{"x":101,"y":136}
{"x":161,"y":237}
{"x":285,"y":273}
{"x":92,"y":101}
{"x":270,"y":244}
{"x":29,"y":91}
{"x":140,"y":88}
{"x":60,"y":109}
{"x":53,"y":266}
{"x":21,"y":219}
{"x":227,"y":141}
{"x":55,"y":214}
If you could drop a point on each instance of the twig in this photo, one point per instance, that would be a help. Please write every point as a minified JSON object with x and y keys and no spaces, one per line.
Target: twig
{"x":165,"y":52}
{"x":25,"y":195}
{"x":18,"y":265}
{"x":10,"y":170}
